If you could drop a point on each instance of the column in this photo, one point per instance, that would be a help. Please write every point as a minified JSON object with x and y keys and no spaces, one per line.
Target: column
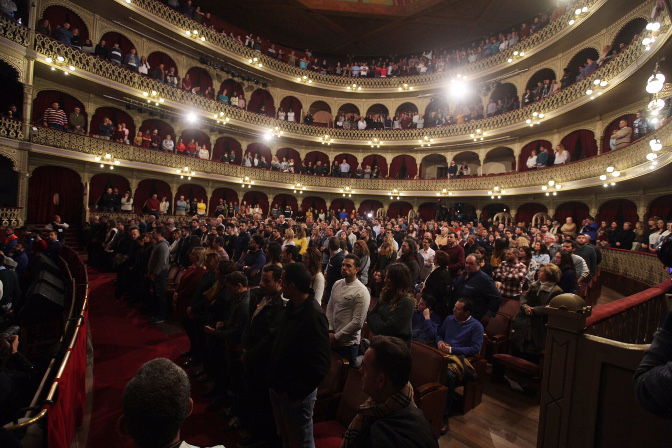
{"x":22,"y":195}
{"x":28,"y":96}
{"x":87,"y":193}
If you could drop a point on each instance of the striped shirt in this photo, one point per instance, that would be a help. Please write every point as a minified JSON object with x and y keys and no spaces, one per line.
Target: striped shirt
{"x":55,"y":116}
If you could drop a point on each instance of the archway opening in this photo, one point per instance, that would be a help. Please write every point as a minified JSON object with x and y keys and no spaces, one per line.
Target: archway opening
{"x":223,"y":148}
{"x":499,"y":160}
{"x":407,"y":107}
{"x":46,"y":98}
{"x":9,"y":183}
{"x":318,"y":204}
{"x":539,"y":77}
{"x":403,"y":167}
{"x":580,"y":144}
{"x":434,"y":166}
{"x":148,"y":187}
{"x":578,"y":211}
{"x":369,"y":206}
{"x":398,"y":209}
{"x":57,"y":15}
{"x":117,"y":116}
{"x":257,"y":197}
{"x":619,"y":210}
{"x":526,"y":152}
{"x":55,"y":190}
{"x":577,"y":63}
{"x":627,"y":34}
{"x":527,"y":211}
{"x":158,"y":57}
{"x":261,"y":102}
{"x":101,"y":182}
{"x":125,"y":44}
{"x":13,"y":90}
{"x":375,"y":160}
{"x":200,"y":77}
{"x":614,"y":126}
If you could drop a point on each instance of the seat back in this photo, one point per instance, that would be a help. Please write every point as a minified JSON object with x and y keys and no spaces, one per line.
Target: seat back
{"x":335,"y":379}
{"x":498,"y":325}
{"x":509,"y":308}
{"x":430,"y":365}
{"x":172,"y":273}
{"x":352,"y":397}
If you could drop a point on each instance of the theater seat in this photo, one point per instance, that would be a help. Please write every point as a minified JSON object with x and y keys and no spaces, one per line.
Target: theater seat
{"x":428,"y":378}
{"x":497,"y":335}
{"x":525,"y":372}
{"x":330,"y":390}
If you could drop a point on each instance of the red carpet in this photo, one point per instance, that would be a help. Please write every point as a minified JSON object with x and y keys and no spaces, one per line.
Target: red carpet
{"x":123,"y":341}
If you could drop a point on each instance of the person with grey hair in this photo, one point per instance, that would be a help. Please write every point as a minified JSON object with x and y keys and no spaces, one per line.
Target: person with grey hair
{"x":155,"y":404}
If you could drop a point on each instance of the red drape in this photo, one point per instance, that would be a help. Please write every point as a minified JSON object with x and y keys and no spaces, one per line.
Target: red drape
{"x":352,"y":161}
{"x":490,"y":210}
{"x":620,"y":210}
{"x":374,"y":159}
{"x":201,"y":137}
{"x":232,"y":87}
{"x":257,"y":197}
{"x":226,"y":145}
{"x":191,"y":191}
{"x":116,"y":115}
{"x":527,"y":211}
{"x":580,"y":144}
{"x":370,"y":205}
{"x":527,"y":150}
{"x":261,"y":150}
{"x":100,"y":182}
{"x":613,"y":126}
{"x":261,"y":97}
{"x":229,"y":196}
{"x":45,"y":98}
{"x":57,"y":15}
{"x":291,"y":102}
{"x":406,"y":107}
{"x":315,"y":202}
{"x":54,"y":190}
{"x":200,"y":77}
{"x":113,"y":37}
{"x":283,"y":200}
{"x":291,"y":154}
{"x":397,"y":164}
{"x":338,"y":204}
{"x":427,"y":210}
{"x":578,"y":211}
{"x":145,"y":190}
{"x":398,"y":208}
{"x":662,"y":207}
{"x":159,"y":57}
{"x":349,"y":109}
{"x":163,"y":128}
{"x":313,"y":156}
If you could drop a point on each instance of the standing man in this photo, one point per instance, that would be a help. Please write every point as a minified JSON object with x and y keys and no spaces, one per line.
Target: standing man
{"x":77,"y":122}
{"x":254,"y":260}
{"x":53,"y":246}
{"x":345,"y":169}
{"x":478,"y":286}
{"x":54,"y":117}
{"x":333,"y":271}
{"x":157,"y":271}
{"x":455,"y":253}
{"x":346,"y":311}
{"x":300,"y":359}
{"x":511,"y":274}
{"x":587,"y":252}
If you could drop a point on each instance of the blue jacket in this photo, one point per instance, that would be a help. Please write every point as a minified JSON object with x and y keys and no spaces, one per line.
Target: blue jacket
{"x":542,"y":158}
{"x":425,"y":330}
{"x":481,"y":289}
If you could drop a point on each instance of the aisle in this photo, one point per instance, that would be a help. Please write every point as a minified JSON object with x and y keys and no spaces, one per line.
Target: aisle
{"x":123,"y":341}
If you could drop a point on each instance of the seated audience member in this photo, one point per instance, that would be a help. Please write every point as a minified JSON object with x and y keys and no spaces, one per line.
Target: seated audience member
{"x":480,"y":288}
{"x":459,"y":335}
{"x":425,"y":320}
{"x":155,"y":404}
{"x":389,"y":416}
{"x":393,"y":313}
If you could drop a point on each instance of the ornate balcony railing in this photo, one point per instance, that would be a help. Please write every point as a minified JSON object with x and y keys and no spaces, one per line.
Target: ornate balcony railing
{"x":13,"y":31}
{"x":10,"y":216}
{"x":534,"y":43}
{"x":637,"y":265}
{"x":11,"y":128}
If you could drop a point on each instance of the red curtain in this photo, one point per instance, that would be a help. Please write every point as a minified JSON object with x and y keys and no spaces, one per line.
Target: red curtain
{"x":54,"y":190}
{"x":578,"y":211}
{"x":373,"y":160}
{"x":315,"y":202}
{"x":261,"y":97}
{"x":146,"y":189}
{"x":338,"y":204}
{"x":233,"y":87}
{"x":229,"y":196}
{"x":116,"y":115}
{"x":613,"y":126}
{"x":313,"y":156}
{"x":406,"y":107}
{"x":580,"y":144}
{"x":191,"y":191}
{"x":527,"y":150}
{"x":159,"y":57}
{"x":100,"y":183}
{"x":257,"y":197}
{"x":45,"y":99}
{"x":163,"y":128}
{"x":290,"y":102}
{"x":662,"y":207}
{"x":283,"y":200}
{"x":620,"y":210}
{"x":527,"y":211}
{"x":226,"y":145}
{"x":401,"y":163}
{"x":57,"y":15}
{"x":291,"y":154}
{"x":398,"y":208}
{"x":370,"y":205}
{"x":201,"y":137}
{"x":199,"y":77}
{"x":490,"y":210}
{"x":261,"y":150}
{"x":112,"y":37}
{"x":427,"y":211}
{"x":352,"y":161}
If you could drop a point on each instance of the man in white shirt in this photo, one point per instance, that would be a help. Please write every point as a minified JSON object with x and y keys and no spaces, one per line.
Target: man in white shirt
{"x":428,"y":255}
{"x":346,"y":311}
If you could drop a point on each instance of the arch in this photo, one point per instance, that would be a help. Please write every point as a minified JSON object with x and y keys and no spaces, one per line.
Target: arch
{"x":229,"y":195}
{"x":9,"y":183}
{"x":376,"y":109}
{"x":492,"y":209}
{"x":628,"y":32}
{"x":45,"y":98}
{"x":164,"y":128}
{"x":580,"y":58}
{"x":224,"y":145}
{"x":313,"y":156}
{"x":436,"y":103}
{"x":580,"y":144}
{"x":403,"y":167}
{"x":463,"y":211}
{"x":578,"y":211}
{"x":291,"y":154}
{"x":12,"y":88}
{"x":232,"y":86}
{"x":504,"y":218}
{"x":619,"y":210}
{"x":256,"y":197}
{"x":614,"y":126}
{"x":146,"y":188}
{"x":539,"y":218}
{"x":427,"y":211}
{"x":201,"y":137}
{"x":319,"y":106}
{"x":321,"y":114}
{"x":315,"y":202}
{"x":261,"y":98}
{"x":369,"y":206}
{"x":102,"y":181}
{"x":284,"y":199}
{"x":407,"y":107}
{"x":159,"y":57}
{"x":199,"y":77}
{"x":55,"y":190}
{"x":434,"y":166}
{"x":662,"y":207}
{"x":125,"y":44}
{"x":352,"y":161}
{"x":540,"y":76}
{"x":472,"y":158}
{"x":191,"y":192}
{"x":499,"y":160}
{"x":117,"y":116}
{"x":342,"y":203}
{"x":398,"y":208}
{"x":376,"y":160}
{"x":527,"y":151}
{"x":57,"y":15}
{"x":349,"y":109}
{"x":508,"y":90}
{"x":261,"y":150}
{"x":528,"y":210}
{"x":292,"y":102}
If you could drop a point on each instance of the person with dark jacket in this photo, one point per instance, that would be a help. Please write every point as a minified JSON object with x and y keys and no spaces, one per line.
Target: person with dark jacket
{"x":653,"y":377}
{"x":17,"y":375}
{"x":334,"y":265}
{"x":300,"y":358}
{"x":438,"y":284}
{"x":478,"y":286}
{"x":254,"y":260}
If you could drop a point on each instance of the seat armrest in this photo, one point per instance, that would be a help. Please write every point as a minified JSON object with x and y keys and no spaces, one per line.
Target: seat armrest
{"x":427,"y":388}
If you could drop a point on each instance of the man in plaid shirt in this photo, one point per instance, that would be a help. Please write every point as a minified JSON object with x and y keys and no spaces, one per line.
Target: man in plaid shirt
{"x":510,"y":276}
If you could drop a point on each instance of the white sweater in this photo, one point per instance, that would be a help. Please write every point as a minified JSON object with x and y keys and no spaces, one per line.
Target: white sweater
{"x":346,"y":312}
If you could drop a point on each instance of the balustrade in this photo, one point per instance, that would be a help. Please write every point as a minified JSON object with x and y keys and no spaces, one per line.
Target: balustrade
{"x":10,"y":216}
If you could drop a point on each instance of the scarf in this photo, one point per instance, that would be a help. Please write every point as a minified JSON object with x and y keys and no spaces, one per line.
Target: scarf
{"x":370,"y":410}
{"x":546,"y":286}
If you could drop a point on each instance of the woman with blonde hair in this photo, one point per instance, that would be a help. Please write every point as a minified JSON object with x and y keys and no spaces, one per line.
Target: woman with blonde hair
{"x":387,"y":253}
{"x":523,"y":242}
{"x":289,"y":239}
{"x":301,"y":240}
{"x":561,"y":155}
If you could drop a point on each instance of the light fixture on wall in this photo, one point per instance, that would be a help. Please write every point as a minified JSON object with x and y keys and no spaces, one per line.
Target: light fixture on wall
{"x":517,"y":55}
{"x":326,"y":139}
{"x":246,"y":182}
{"x":274,"y":133}
{"x":220,"y":118}
{"x":426,"y":141}
{"x":478,"y":135}
{"x":347,"y":191}
{"x":107,"y":160}
{"x":375,"y":142}
{"x":656,"y":81}
{"x":354,"y":87}
{"x":60,"y":62}
{"x":651,"y":34}
{"x":656,"y":145}
{"x":579,"y":13}
{"x":195,"y":34}
{"x":152,"y":96}
{"x":536,"y":118}
{"x":395,"y":193}
{"x":551,"y":188}
{"x":185,"y":172}
{"x":444,"y":192}
{"x":304,"y":79}
{"x":496,"y":192}
{"x":298,"y":188}
{"x":255,"y":61}
{"x":405,"y":86}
